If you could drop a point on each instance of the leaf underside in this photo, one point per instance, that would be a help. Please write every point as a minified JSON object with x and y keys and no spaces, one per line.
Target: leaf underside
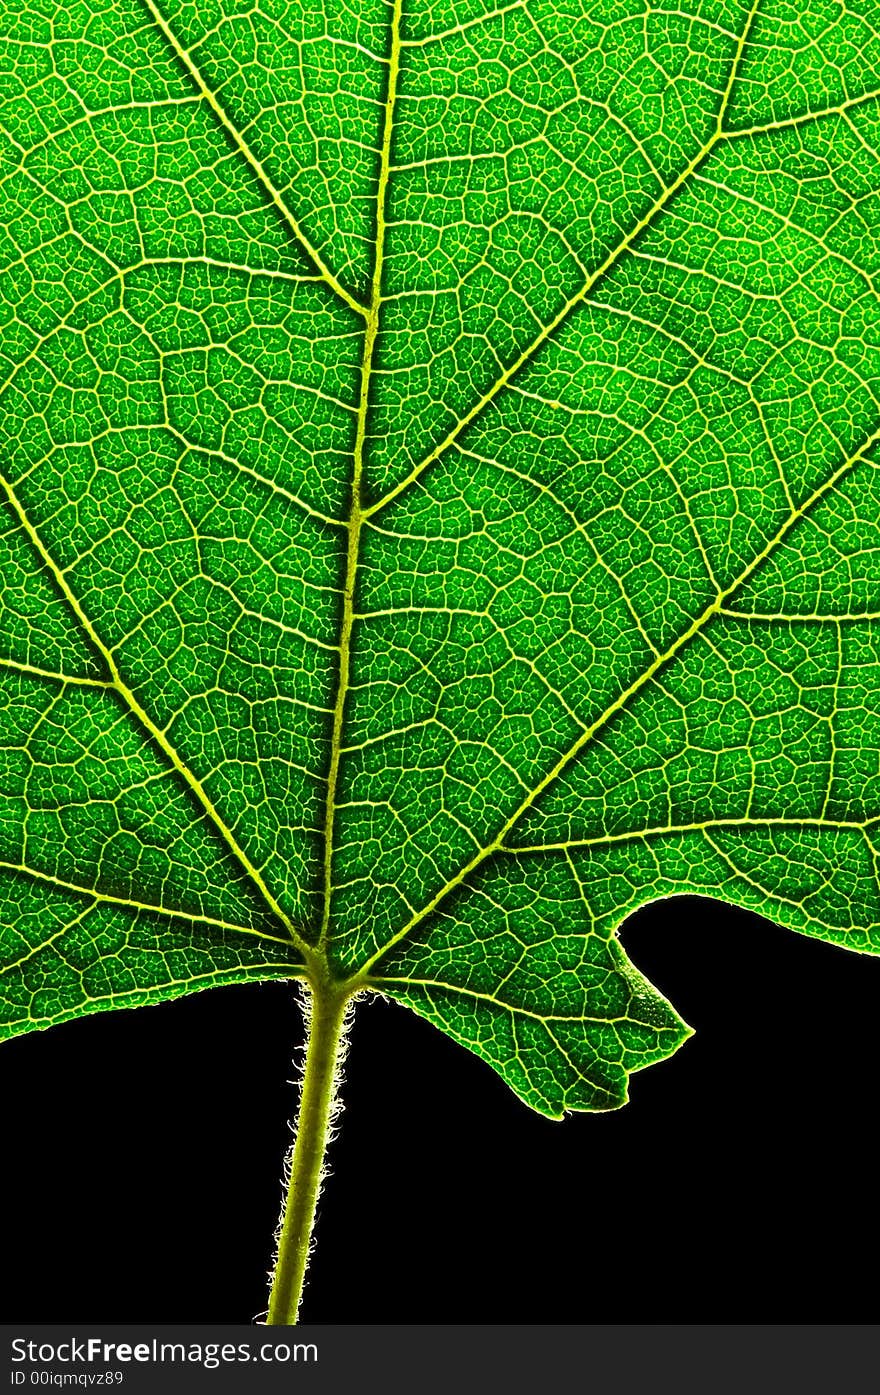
{"x":439,"y":450}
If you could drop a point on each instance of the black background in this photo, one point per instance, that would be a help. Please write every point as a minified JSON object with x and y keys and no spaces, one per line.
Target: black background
{"x":142,"y":1164}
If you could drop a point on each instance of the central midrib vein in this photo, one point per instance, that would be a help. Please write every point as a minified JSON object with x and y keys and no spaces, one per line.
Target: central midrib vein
{"x":356,"y":515}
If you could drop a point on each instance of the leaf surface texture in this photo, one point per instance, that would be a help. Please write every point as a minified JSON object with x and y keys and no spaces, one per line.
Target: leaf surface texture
{"x":441,"y":509}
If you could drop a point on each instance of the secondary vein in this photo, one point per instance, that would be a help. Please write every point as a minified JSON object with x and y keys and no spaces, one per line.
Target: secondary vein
{"x":714,"y":608}
{"x":129,"y":904}
{"x":256,"y":165}
{"x":528,"y":353}
{"x":158,"y":736}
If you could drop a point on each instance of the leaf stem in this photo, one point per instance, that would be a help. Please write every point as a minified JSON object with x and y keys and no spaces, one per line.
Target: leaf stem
{"x":325,"y":1024}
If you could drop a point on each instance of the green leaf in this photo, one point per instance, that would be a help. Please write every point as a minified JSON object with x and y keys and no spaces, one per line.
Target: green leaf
{"x":439,"y":447}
